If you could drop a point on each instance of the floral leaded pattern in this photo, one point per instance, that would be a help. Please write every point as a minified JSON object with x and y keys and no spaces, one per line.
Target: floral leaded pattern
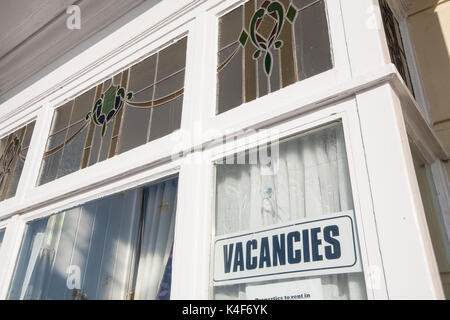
{"x":138,"y":105}
{"x":266,"y":45}
{"x":13,"y":148}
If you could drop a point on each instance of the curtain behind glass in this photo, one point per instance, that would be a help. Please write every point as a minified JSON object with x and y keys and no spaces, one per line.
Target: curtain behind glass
{"x":153,"y":277}
{"x":311,"y":180}
{"x":96,"y":240}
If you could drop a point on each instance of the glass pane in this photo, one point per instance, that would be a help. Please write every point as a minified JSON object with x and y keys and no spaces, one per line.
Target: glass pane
{"x":28,"y":134}
{"x":230,"y":27}
{"x":71,"y":158}
{"x":61,"y":117}
{"x":129,"y":109}
{"x":229,"y":94}
{"x":13,"y":152}
{"x":171,"y":60}
{"x":89,"y":252}
{"x":82,"y":105}
{"x":2,"y":235}
{"x":267,"y":45}
{"x":143,"y":74}
{"x":16,"y":177}
{"x":139,"y":119}
{"x":274,"y":216}
{"x":317,"y":58}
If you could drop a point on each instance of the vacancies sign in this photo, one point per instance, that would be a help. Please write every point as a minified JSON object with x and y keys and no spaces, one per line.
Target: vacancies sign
{"x":307,"y":247}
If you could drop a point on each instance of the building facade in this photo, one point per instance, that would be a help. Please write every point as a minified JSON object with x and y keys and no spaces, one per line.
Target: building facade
{"x":257,"y":149}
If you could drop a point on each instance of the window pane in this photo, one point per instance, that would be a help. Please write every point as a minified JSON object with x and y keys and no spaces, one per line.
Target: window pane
{"x":131,"y":108}
{"x":13,"y":152}
{"x":268,"y":45}
{"x":305,"y":183}
{"x":2,"y":235}
{"x":395,"y":43}
{"x":89,"y":252}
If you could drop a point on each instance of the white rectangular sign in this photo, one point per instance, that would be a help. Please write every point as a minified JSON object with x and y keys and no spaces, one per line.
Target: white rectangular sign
{"x":308,"y":289}
{"x":307,"y":247}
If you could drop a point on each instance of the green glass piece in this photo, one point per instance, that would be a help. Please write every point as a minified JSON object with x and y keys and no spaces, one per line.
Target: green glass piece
{"x":291,"y":14}
{"x":276,"y":7}
{"x":278,"y":44}
{"x":256,"y":54}
{"x":268,"y":63}
{"x":108,"y":101}
{"x":243,"y":38}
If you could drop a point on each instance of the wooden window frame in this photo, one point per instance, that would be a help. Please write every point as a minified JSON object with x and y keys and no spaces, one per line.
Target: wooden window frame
{"x":363,"y":89}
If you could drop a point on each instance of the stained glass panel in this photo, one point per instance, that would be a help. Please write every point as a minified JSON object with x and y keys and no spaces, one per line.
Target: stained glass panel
{"x":135,"y":106}
{"x":267,"y":45}
{"x":14,"y":149}
{"x":395,"y":43}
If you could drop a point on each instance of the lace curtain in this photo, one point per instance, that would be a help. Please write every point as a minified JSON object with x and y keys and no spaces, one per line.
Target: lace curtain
{"x":311,"y":179}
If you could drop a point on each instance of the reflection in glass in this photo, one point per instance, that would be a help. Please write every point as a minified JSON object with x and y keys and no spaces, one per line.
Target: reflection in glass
{"x":118,"y":247}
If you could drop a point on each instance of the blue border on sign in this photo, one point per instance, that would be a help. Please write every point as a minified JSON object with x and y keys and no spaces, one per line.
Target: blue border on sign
{"x":298,"y":271}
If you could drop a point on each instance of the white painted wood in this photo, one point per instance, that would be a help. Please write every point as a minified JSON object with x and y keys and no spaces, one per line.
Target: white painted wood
{"x":34,"y":41}
{"x":365,"y":36}
{"x":408,"y":258}
{"x":10,"y":250}
{"x":20,"y":19}
{"x":191,"y":261}
{"x":381,"y":170}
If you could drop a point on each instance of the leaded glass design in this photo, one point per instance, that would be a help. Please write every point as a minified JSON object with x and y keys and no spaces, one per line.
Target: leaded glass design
{"x":138,"y":105}
{"x":14,"y":149}
{"x":395,"y":43}
{"x":267,"y":45}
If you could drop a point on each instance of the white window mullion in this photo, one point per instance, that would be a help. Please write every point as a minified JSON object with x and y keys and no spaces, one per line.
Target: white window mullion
{"x":34,"y":157}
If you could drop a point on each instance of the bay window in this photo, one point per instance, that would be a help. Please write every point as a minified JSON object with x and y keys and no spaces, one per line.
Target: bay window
{"x":140,"y":171}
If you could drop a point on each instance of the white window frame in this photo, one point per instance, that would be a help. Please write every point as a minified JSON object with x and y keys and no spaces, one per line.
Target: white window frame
{"x":346,"y":113}
{"x":438,"y":171}
{"x":361,"y":79}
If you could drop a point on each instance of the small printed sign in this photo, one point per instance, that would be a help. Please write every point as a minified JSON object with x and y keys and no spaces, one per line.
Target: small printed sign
{"x":307,"y":247}
{"x":309,"y":289}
